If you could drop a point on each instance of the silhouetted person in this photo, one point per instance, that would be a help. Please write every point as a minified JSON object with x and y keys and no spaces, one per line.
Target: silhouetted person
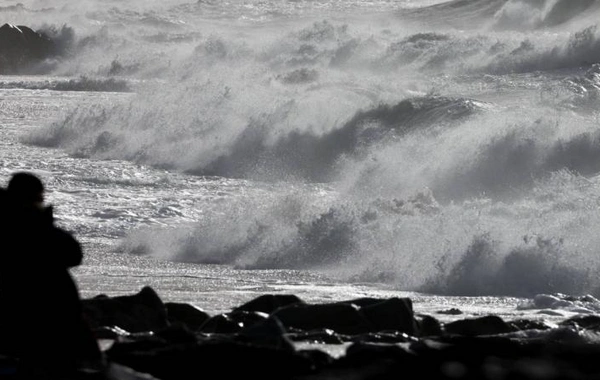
{"x":41,"y":313}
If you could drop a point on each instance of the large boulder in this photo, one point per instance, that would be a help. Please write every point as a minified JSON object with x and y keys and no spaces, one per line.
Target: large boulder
{"x":394,"y":314}
{"x":268,"y":303}
{"x":356,"y":316}
{"x":342,"y":318}
{"x":268,"y":333}
{"x":187,"y":315}
{"x":589,"y":322}
{"x":21,"y":47}
{"x":140,"y":312}
{"x":487,"y":325}
{"x":232,"y":322}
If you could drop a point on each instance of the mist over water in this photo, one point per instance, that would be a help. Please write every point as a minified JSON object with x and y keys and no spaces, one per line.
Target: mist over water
{"x":450,"y":148}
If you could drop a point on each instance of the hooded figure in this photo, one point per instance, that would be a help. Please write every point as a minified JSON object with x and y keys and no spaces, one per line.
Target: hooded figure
{"x":41,"y":321}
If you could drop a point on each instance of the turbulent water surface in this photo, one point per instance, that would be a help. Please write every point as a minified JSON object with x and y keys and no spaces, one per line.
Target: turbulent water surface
{"x":217,"y":150}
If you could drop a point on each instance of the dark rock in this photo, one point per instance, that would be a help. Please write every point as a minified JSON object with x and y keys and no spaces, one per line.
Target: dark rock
{"x":373,"y":361}
{"x":363,"y":352}
{"x":526,"y":324}
{"x":117,"y":371}
{"x":143,"y":311}
{"x":252,"y":344}
{"x":225,"y":359}
{"x":221,"y":324}
{"x":268,"y":303}
{"x":465,"y":357}
{"x":322,"y":336}
{"x":383,"y":337}
{"x":267,"y":333}
{"x":110,"y":332}
{"x":428,"y":326}
{"x":318,"y":358}
{"x":392,"y":314}
{"x":591,"y":322}
{"x":364,"y":301}
{"x":453,"y":311}
{"x":232,"y":322}
{"x":506,"y":358}
{"x":176,"y":334}
{"x":339,"y":317}
{"x":186,"y":314}
{"x":21,"y":47}
{"x":248,"y":318}
{"x":488,"y":325}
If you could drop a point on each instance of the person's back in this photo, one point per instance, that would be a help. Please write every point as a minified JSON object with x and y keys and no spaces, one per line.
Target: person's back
{"x":37,"y":250}
{"x":43,"y":308}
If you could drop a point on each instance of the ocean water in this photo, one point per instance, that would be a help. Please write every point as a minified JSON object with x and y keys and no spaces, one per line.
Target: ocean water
{"x":446,"y":151}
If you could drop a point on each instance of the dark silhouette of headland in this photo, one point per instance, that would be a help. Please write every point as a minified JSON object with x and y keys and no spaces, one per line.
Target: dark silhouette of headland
{"x":23,"y":50}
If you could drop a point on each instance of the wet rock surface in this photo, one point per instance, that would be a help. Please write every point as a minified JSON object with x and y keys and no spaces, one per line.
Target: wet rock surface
{"x":383,"y":338}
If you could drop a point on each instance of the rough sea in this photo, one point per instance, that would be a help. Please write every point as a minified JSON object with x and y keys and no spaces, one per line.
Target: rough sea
{"x":447,"y":151}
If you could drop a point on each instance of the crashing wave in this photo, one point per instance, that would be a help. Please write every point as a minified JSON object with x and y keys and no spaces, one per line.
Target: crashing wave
{"x":532,"y":14}
{"x":536,"y":267}
{"x":473,"y":54}
{"x":581,"y":49}
{"x":463,"y":13}
{"x":508,"y":14}
{"x":254,"y":152}
{"x":580,"y":304}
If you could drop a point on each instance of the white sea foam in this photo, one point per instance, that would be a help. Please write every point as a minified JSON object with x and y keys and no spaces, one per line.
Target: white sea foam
{"x":458,"y":157}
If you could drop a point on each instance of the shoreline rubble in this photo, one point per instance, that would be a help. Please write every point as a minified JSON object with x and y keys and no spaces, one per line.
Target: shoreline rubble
{"x":383,"y":338}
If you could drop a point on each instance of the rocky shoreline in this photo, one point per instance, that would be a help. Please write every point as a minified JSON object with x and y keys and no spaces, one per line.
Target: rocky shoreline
{"x":24,"y":50}
{"x":277,"y":336}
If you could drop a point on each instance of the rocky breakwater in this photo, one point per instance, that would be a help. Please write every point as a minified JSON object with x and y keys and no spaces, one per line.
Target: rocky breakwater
{"x":279,"y":336}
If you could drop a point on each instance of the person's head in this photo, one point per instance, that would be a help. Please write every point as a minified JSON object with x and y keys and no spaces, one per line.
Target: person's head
{"x":26,"y":188}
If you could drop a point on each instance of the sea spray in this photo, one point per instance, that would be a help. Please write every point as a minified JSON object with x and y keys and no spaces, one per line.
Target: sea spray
{"x":479,"y":247}
{"x":435,"y":159}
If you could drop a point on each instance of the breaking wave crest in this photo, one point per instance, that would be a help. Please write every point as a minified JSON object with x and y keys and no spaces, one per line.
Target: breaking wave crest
{"x":474,"y":248}
{"x":509,"y":14}
{"x":520,"y":14}
{"x":460,"y":157}
{"x":258,"y":150}
{"x":538,"y":266}
{"x":509,"y":54}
